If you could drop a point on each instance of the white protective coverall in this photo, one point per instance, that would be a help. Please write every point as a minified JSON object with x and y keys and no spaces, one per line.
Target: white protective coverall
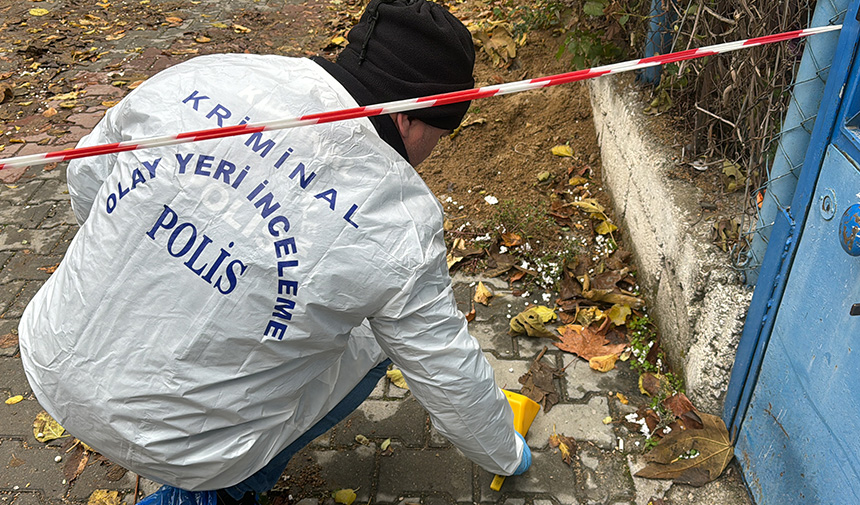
{"x":222,"y":296}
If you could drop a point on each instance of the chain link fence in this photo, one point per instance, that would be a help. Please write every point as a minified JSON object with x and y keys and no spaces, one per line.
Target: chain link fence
{"x":751,"y":112}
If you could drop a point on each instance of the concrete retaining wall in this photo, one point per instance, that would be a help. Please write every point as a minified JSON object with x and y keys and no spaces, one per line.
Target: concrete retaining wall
{"x":697,"y":300}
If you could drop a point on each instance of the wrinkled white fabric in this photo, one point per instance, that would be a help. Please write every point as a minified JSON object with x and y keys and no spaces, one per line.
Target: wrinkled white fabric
{"x":222,"y":296}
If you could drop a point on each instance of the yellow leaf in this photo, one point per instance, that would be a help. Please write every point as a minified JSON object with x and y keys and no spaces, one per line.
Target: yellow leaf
{"x":385,"y":444}
{"x":71,"y":104}
{"x":24,"y":104}
{"x":115,"y":36}
{"x":241,"y":29}
{"x":576,"y":181}
{"x":589,"y":205}
{"x":103,"y":497}
{"x":202,"y":39}
{"x":618,"y":314}
{"x":546,"y":314}
{"x":50,"y":111}
{"x":565,"y":452}
{"x":110,"y":103}
{"x":482,"y":294}
{"x":118,"y":83}
{"x":67,"y":96}
{"x":452,"y":260}
{"x":603,"y":363}
{"x":345,"y":496}
{"x":531,"y":322}
{"x":103,"y":5}
{"x":562,"y":150}
{"x":15,"y":399}
{"x":45,"y":428}
{"x":621,"y":398}
{"x":361,"y":439}
{"x":339,"y":40}
{"x":607,"y":419}
{"x":39,"y":12}
{"x":135,"y":84}
{"x":605,"y":227}
{"x":396,"y":378}
{"x":219,"y":25}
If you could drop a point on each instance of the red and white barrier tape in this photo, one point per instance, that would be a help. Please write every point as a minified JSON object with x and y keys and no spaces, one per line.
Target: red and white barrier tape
{"x":406,"y":105}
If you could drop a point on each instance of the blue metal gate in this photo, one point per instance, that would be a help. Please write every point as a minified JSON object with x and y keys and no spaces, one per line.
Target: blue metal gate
{"x":794,"y":402}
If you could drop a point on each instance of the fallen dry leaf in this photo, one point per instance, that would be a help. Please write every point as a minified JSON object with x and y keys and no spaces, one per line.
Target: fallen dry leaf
{"x":8,"y":340}
{"x":603,"y":363}
{"x":471,"y":315}
{"x":652,"y":385}
{"x":586,"y":342}
{"x":51,"y":269}
{"x":562,"y":150}
{"x":678,"y":404}
{"x":45,"y":428}
{"x":202,"y":39}
{"x":241,"y":29}
{"x":497,"y":41}
{"x":6,"y":93}
{"x":67,"y":96}
{"x":173,"y":20}
{"x":344,"y":496}
{"x":613,"y":297}
{"x":361,"y":439}
{"x":104,"y":497}
{"x":605,"y":227}
{"x":565,"y":444}
{"x":396,"y":378}
{"x":618,"y":314}
{"x":589,"y":205}
{"x":673,"y":458}
{"x":50,"y":112}
{"x":531,"y":322}
{"x":75,"y":463}
{"x":589,"y":315}
{"x":538,"y":382}
{"x":622,"y":398}
{"x":39,"y":12}
{"x":511,"y":239}
{"x":14,"y":399}
{"x":482,"y":294}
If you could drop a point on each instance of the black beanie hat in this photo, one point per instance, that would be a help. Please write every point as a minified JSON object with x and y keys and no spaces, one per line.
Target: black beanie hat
{"x":411,"y":48}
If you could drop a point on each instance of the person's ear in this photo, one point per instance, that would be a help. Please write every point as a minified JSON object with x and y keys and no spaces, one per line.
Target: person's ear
{"x":405,"y":125}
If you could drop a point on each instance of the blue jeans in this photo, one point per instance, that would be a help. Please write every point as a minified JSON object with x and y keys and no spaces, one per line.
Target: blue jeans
{"x":266,"y":478}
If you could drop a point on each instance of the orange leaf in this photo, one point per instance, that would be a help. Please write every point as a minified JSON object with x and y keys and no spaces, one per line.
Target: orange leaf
{"x":517,"y":276}
{"x":511,"y":239}
{"x":586,"y":342}
{"x":173,"y":19}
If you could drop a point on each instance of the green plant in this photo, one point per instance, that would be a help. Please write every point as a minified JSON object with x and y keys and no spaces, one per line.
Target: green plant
{"x":525,"y":220}
{"x":542,"y":15}
{"x":588,"y":49}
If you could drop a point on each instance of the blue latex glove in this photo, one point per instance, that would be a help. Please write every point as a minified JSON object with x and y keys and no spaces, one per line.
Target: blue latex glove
{"x":169,"y":495}
{"x":526,"y":462}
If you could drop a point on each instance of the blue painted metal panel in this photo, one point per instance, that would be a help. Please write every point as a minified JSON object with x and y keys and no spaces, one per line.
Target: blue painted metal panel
{"x":796,"y":407}
{"x":783,"y":240}
{"x":799,"y":442}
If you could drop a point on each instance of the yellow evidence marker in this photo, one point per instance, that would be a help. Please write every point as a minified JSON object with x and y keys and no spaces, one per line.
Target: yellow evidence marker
{"x":525,"y":409}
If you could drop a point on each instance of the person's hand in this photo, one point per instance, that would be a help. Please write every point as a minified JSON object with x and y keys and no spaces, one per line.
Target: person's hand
{"x":526,"y":462}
